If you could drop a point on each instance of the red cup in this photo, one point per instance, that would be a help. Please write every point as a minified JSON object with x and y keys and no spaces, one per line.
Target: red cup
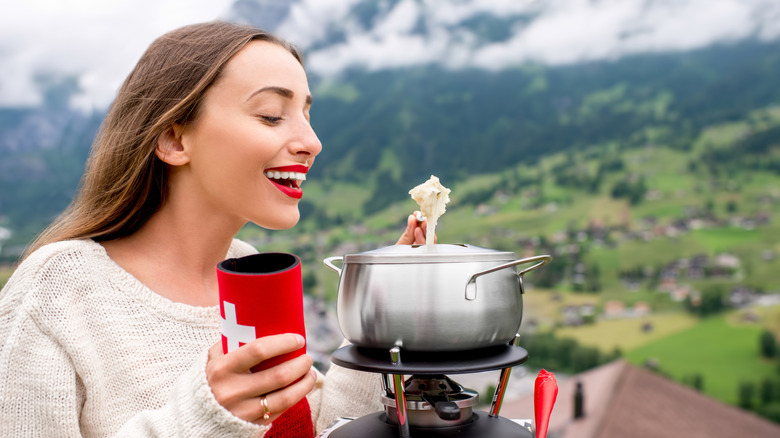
{"x":260,"y":295}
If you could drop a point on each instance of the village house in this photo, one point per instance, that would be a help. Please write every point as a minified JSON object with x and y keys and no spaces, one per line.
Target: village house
{"x":641,"y":308}
{"x":614,"y":309}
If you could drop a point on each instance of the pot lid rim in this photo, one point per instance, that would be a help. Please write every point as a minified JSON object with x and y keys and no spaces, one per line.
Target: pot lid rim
{"x":437,"y":253}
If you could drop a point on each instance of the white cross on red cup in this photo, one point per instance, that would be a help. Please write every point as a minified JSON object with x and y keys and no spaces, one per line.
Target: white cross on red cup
{"x":260,"y":295}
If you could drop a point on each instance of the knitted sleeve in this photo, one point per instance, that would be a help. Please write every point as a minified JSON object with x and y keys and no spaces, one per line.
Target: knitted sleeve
{"x":191,"y":411}
{"x":40,"y":394}
{"x":344,"y":393}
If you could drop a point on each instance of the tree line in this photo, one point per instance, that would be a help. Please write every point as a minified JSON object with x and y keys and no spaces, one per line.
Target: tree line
{"x":763,"y":398}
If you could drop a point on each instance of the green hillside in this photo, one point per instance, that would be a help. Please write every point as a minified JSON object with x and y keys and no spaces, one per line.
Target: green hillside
{"x":384,"y":129}
{"x":672,"y":206}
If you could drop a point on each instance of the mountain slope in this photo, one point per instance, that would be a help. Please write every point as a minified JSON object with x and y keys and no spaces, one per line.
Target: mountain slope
{"x":389,"y":129}
{"x":400,"y":125}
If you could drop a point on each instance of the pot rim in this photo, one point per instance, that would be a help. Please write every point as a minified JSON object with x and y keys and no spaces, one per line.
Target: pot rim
{"x":437,"y":253}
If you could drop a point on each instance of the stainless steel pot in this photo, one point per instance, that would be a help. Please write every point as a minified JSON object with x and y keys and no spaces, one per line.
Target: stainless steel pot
{"x":443,"y":297}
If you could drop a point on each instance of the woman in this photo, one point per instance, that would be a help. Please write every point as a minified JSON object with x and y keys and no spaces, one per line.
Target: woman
{"x":110,"y":326}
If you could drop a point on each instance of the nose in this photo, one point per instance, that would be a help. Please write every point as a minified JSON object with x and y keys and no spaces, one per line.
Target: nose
{"x":306,"y":141}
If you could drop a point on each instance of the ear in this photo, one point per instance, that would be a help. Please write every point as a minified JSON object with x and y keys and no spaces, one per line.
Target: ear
{"x":170,"y":148}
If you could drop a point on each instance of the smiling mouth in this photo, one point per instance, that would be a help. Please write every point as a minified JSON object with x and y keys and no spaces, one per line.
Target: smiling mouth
{"x":287,"y":181}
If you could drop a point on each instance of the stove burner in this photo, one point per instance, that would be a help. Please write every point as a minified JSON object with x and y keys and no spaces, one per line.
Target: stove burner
{"x":433,"y":401}
{"x":433,"y":385}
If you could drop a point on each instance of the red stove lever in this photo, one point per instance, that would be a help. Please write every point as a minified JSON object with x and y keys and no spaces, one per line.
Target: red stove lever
{"x":545,"y":393}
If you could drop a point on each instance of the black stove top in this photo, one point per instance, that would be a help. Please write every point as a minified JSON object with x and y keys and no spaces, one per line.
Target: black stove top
{"x":481,"y":426}
{"x":416,"y":422}
{"x":440,"y":362}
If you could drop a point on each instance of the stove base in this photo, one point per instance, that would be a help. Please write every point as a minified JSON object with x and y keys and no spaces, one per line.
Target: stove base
{"x":482,"y":426}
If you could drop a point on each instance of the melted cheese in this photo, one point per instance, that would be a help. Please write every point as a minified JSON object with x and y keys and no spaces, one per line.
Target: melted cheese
{"x":431,"y":196}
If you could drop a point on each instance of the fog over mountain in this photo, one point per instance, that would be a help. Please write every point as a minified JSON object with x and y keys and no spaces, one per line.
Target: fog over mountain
{"x":79,"y":52}
{"x":494,"y":34}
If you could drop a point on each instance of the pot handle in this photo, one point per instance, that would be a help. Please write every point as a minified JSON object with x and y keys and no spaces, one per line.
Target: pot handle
{"x":329,"y":263}
{"x":471,"y":286}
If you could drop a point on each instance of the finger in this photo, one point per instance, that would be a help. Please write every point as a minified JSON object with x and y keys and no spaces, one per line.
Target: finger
{"x":419,"y":236}
{"x":283,"y":399}
{"x":279,"y":376}
{"x":264,"y":348}
{"x":407,"y":238}
{"x":237,"y":392}
{"x":215,"y":351}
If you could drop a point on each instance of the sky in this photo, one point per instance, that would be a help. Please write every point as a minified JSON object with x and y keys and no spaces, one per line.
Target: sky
{"x":96,"y":42}
{"x":563,"y":32}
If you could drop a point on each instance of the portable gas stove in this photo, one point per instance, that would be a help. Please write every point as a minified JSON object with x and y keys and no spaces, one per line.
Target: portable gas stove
{"x":429,"y":404}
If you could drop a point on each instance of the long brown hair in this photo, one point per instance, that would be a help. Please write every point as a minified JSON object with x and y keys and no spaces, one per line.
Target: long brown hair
{"x":124,"y":182}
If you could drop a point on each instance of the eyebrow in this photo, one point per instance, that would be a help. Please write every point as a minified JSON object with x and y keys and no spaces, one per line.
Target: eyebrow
{"x":281,"y":91}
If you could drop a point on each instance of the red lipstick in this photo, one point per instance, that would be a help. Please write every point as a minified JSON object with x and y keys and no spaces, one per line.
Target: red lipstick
{"x":287,"y":185}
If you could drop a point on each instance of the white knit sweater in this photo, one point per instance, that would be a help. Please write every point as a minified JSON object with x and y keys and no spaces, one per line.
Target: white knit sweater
{"x":87,"y":350}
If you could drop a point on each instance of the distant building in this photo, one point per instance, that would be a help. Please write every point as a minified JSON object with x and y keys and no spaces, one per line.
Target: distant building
{"x":727,"y":261}
{"x":680,"y":293}
{"x":614,"y":309}
{"x":642,"y":308}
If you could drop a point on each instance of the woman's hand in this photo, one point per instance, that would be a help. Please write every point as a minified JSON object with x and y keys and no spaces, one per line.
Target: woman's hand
{"x":241,"y":391}
{"x":415,"y":231}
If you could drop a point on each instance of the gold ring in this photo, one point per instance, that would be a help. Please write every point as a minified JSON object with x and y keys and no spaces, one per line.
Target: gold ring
{"x":267,"y":413}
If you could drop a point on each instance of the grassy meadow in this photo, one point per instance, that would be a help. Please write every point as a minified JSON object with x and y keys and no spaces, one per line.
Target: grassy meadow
{"x":627,"y":334}
{"x":724,"y":353}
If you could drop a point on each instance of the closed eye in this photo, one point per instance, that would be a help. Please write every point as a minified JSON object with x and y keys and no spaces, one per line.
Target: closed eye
{"x":271,"y":120}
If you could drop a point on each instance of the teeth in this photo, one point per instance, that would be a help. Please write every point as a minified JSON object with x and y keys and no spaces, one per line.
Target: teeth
{"x":286,"y":175}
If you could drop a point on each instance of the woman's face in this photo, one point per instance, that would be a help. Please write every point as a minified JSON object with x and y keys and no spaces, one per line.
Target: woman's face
{"x":252,"y":142}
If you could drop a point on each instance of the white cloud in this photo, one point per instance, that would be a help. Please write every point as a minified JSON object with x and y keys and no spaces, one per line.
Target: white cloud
{"x":389,"y":44}
{"x":367,"y":51}
{"x":401,"y":19}
{"x":97,"y":42}
{"x":447,"y":12}
{"x":579,"y":30}
{"x":309,"y":19}
{"x":563,"y":32}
